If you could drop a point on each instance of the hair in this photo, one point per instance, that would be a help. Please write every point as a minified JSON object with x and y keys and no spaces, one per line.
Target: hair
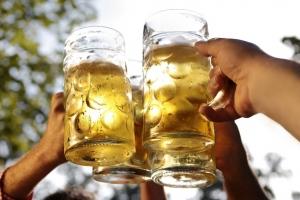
{"x":73,"y":193}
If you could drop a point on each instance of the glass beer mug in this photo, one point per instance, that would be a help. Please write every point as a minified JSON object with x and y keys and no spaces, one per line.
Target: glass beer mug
{"x":99,"y":116}
{"x":176,"y":76}
{"x":136,"y":169}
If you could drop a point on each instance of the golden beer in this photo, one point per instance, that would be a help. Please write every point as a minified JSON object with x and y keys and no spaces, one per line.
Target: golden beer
{"x":140,"y":156}
{"x":99,"y":115}
{"x":179,"y":139}
{"x":136,"y":169}
{"x":176,"y":78}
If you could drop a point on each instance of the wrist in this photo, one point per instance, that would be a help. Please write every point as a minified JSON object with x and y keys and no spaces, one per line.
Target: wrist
{"x":241,"y":183}
{"x":47,"y":155}
{"x":238,"y":172}
{"x":257,"y":81}
{"x":273,"y":78}
{"x":233,"y":165}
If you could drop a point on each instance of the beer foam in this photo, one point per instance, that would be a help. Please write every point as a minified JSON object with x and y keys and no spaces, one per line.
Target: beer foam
{"x":84,"y":58}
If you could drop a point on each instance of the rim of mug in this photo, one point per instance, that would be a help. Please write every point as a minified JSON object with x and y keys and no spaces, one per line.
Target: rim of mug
{"x":97,"y":27}
{"x":152,"y":23}
{"x":178,"y":11}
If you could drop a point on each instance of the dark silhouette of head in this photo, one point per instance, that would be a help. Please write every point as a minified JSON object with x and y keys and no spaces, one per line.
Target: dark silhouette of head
{"x":73,"y":193}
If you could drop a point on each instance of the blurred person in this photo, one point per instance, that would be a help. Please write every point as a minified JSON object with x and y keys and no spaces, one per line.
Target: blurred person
{"x":73,"y":193}
{"x":254,"y":82}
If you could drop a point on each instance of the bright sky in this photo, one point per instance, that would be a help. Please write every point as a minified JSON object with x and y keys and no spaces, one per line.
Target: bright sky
{"x":261,"y":22}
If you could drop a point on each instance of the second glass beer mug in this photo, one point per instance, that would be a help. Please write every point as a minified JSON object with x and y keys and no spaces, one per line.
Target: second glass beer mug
{"x":136,"y":169}
{"x":176,"y":77}
{"x":99,"y":117}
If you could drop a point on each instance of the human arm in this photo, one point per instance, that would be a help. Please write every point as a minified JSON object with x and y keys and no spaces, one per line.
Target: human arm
{"x":231,"y":159}
{"x":259,"y":83}
{"x":150,"y":190}
{"x":20,"y":179}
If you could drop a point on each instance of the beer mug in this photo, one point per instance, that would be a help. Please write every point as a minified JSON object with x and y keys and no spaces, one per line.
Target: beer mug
{"x":136,"y":169}
{"x":99,"y":115}
{"x":176,"y":76}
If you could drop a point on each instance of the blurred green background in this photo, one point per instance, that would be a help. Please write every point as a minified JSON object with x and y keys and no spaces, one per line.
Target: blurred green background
{"x":29,"y":72}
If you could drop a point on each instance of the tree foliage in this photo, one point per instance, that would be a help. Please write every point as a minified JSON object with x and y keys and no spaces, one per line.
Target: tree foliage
{"x":294,"y":43}
{"x":30,"y":66}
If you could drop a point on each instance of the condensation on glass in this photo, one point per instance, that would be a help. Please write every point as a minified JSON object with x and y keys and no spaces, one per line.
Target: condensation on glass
{"x":99,"y":126}
{"x":176,"y":76}
{"x":136,"y":169}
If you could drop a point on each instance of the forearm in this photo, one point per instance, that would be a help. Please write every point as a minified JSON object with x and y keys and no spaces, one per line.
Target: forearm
{"x":241,"y":183}
{"x":20,"y":179}
{"x":276,"y":92}
{"x":150,"y":190}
